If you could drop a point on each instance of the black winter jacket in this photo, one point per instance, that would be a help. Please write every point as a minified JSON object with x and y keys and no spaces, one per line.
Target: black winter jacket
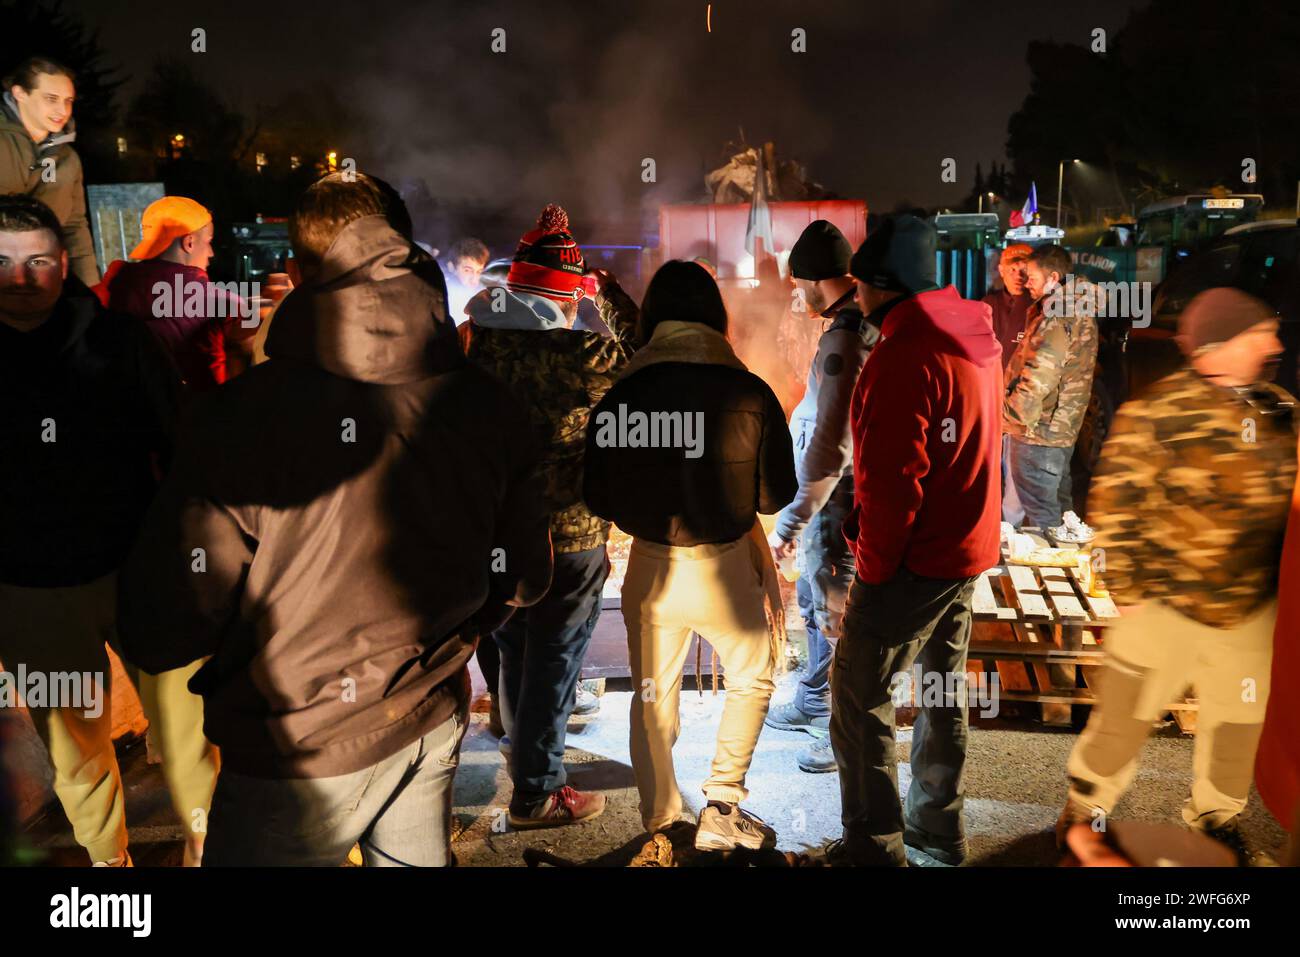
{"x":87,"y":406}
{"x":745,"y":461}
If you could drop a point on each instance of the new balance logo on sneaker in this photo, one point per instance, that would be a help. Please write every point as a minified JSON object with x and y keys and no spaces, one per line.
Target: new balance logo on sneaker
{"x":565,"y":806}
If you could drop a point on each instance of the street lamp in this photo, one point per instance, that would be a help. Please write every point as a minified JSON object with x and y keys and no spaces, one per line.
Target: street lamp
{"x":1060,"y":182}
{"x":982,"y":195}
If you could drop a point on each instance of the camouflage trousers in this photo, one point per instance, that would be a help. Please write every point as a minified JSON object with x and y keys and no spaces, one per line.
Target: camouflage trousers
{"x":1152,"y":656}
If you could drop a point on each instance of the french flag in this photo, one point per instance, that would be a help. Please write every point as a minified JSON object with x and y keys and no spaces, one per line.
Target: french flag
{"x":1025,"y":215}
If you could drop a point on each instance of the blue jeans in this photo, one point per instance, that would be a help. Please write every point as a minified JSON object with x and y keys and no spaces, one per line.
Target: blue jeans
{"x":1041,"y":475}
{"x":398,"y":810}
{"x":542,"y":648}
{"x":1012,"y":513}
{"x":829,"y":568}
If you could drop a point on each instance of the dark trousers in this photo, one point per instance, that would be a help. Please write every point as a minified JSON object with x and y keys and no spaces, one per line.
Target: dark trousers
{"x":542,"y":648}
{"x":822,"y":590}
{"x":887,"y":628}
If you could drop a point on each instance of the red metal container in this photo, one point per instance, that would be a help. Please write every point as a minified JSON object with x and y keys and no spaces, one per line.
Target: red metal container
{"x":717,"y":232}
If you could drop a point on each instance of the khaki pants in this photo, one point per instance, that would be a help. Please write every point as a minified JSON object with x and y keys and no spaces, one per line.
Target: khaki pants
{"x":50,"y":630}
{"x":715,"y":590}
{"x":1151,"y":657}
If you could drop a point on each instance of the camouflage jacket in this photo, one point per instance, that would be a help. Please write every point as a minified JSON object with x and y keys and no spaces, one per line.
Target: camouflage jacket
{"x":1049,"y":377}
{"x":1190,"y":499}
{"x":559,"y":374}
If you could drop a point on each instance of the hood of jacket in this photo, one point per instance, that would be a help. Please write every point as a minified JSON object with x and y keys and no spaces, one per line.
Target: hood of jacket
{"x":967,"y":324}
{"x":376,"y":312}
{"x":523,"y":310}
{"x":11,"y":123}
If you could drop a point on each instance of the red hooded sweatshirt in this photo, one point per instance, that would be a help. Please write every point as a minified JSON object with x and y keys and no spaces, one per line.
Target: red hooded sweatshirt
{"x":927,"y":442}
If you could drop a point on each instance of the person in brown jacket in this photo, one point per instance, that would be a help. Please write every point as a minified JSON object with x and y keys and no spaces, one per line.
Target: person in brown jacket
{"x":340,"y":526}
{"x":36,"y":154}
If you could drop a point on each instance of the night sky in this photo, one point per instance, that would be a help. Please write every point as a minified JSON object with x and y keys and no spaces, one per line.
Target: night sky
{"x":586,"y":91}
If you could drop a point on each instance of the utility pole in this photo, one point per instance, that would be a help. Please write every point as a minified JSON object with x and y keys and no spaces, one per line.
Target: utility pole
{"x":1060,"y":183}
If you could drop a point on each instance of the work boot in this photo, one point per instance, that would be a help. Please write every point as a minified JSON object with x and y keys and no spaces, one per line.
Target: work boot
{"x":787,"y":717}
{"x":585,"y":702}
{"x":837,"y":854}
{"x":945,"y":852}
{"x":818,"y":757}
{"x":1073,"y":813}
{"x":725,"y":827}
{"x":1229,"y":834}
{"x":565,"y":806}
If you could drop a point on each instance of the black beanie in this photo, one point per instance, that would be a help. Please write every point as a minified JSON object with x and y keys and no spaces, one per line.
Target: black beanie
{"x":821,"y":252}
{"x":897,"y":256}
{"x":683,"y":291}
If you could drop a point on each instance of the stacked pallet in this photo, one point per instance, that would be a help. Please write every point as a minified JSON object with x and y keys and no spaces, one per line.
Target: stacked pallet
{"x":1040,"y":626}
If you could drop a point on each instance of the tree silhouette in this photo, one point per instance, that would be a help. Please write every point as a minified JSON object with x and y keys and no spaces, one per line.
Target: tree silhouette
{"x":1187,"y":91}
{"x":46,"y":29}
{"x":175,"y":100}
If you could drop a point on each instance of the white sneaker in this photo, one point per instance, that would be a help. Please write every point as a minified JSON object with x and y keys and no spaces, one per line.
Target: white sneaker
{"x":735,"y":827}
{"x":123,"y":860}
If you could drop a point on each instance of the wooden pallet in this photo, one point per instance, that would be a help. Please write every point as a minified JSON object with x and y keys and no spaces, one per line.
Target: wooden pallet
{"x":1040,"y":629}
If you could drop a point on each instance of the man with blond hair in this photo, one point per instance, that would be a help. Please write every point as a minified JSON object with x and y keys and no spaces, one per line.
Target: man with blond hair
{"x":36,"y":154}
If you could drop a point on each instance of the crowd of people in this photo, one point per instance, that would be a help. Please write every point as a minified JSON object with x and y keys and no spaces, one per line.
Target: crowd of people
{"x":296,"y":558}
